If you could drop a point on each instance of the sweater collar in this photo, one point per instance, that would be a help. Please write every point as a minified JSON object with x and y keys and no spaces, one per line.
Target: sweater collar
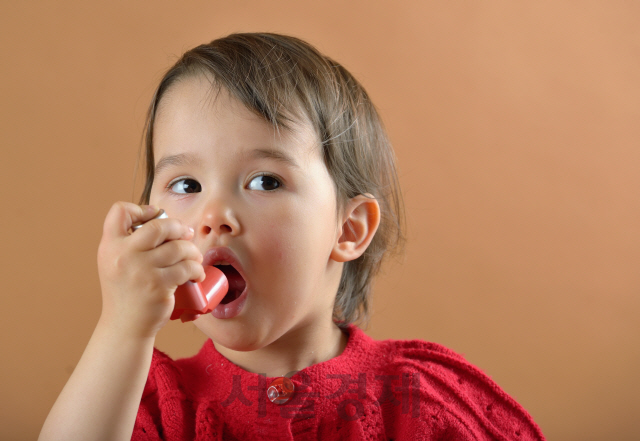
{"x":351,"y":356}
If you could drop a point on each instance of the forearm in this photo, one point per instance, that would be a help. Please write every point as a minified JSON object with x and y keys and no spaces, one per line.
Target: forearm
{"x":101,"y":399}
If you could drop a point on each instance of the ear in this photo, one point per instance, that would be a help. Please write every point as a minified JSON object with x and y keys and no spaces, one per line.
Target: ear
{"x":359,"y":224}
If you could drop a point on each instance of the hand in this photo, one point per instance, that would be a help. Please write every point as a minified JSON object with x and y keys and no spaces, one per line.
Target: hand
{"x":140,"y":272}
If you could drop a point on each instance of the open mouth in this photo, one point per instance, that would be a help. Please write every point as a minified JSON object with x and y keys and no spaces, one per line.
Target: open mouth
{"x":236,"y":283}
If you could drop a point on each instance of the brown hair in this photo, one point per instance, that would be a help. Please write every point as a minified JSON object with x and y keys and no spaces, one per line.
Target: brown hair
{"x":275,"y":76}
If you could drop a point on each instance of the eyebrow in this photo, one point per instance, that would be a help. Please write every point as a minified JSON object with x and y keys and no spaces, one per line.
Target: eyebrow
{"x":276,"y":155}
{"x":178,"y":160}
{"x":192,"y":159}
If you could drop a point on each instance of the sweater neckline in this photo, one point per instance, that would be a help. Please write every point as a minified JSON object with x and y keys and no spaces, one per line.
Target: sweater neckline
{"x":355,"y":337}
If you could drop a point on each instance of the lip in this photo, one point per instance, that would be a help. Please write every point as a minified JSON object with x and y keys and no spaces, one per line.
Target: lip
{"x":231,"y":309}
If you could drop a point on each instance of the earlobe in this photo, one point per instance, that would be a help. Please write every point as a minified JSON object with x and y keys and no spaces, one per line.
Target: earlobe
{"x":360,"y":222}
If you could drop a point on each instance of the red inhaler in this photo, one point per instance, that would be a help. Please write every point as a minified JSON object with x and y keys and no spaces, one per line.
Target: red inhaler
{"x":195,"y":298}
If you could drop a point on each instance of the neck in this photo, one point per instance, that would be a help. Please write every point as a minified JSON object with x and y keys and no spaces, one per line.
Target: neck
{"x":292,"y":352}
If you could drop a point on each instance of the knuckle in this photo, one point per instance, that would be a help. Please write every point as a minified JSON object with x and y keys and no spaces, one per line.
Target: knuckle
{"x":117,"y":212}
{"x":112,"y":215}
{"x":188,"y":249}
{"x":180,"y":248}
{"x":163,"y":227}
{"x":176,"y":275}
{"x":194,"y":251}
{"x":120,"y":207}
{"x":120,"y":263}
{"x":176,"y":226}
{"x":185,"y":272}
{"x":154,"y":228}
{"x":115,"y":207}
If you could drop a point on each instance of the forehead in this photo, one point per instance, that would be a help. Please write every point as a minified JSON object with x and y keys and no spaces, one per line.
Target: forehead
{"x":195,"y":110}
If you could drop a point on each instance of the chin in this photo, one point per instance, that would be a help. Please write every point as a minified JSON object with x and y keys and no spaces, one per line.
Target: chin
{"x":234,"y":336}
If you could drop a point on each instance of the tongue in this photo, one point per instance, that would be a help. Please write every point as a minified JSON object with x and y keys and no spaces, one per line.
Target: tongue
{"x":236,"y":283}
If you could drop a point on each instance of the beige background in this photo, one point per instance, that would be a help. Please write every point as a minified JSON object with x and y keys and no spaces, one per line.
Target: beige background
{"x":516,"y":125}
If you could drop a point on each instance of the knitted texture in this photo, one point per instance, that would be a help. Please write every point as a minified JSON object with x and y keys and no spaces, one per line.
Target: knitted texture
{"x":374,"y":390}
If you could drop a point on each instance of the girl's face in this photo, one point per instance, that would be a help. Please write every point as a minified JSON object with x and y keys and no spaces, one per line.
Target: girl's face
{"x":264,"y":196}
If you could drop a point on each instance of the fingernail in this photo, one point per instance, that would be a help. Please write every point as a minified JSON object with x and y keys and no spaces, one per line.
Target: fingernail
{"x":191,"y":229}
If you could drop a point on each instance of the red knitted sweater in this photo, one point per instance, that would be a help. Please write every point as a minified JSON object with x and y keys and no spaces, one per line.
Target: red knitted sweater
{"x":374,"y":390}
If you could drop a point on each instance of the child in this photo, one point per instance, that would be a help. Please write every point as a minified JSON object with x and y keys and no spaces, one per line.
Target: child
{"x":272,"y":164}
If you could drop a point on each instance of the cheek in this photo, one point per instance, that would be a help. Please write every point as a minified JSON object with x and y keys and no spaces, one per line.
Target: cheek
{"x":298,"y":236}
{"x":272,"y":239}
{"x":276,"y":242}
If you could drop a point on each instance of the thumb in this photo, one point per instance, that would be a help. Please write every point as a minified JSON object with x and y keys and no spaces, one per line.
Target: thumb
{"x":123,"y":215}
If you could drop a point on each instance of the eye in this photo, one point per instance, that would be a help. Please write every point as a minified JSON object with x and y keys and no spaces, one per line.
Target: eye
{"x":264,"y":183}
{"x":184,"y":186}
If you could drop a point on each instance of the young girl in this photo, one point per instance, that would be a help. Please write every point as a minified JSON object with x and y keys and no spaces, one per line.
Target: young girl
{"x":272,"y":164}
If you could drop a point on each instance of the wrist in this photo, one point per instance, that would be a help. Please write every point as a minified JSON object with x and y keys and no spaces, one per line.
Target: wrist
{"x":124,"y":333}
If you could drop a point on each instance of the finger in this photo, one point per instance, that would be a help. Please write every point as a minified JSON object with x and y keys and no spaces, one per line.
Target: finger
{"x":122,"y":215}
{"x":157,"y":231}
{"x":182,"y":272}
{"x":174,"y":251}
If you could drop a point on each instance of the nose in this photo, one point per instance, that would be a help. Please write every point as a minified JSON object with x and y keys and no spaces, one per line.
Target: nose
{"x":219,"y":220}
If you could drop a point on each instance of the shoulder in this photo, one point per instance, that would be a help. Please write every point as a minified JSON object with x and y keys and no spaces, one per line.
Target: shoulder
{"x":453,"y":393}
